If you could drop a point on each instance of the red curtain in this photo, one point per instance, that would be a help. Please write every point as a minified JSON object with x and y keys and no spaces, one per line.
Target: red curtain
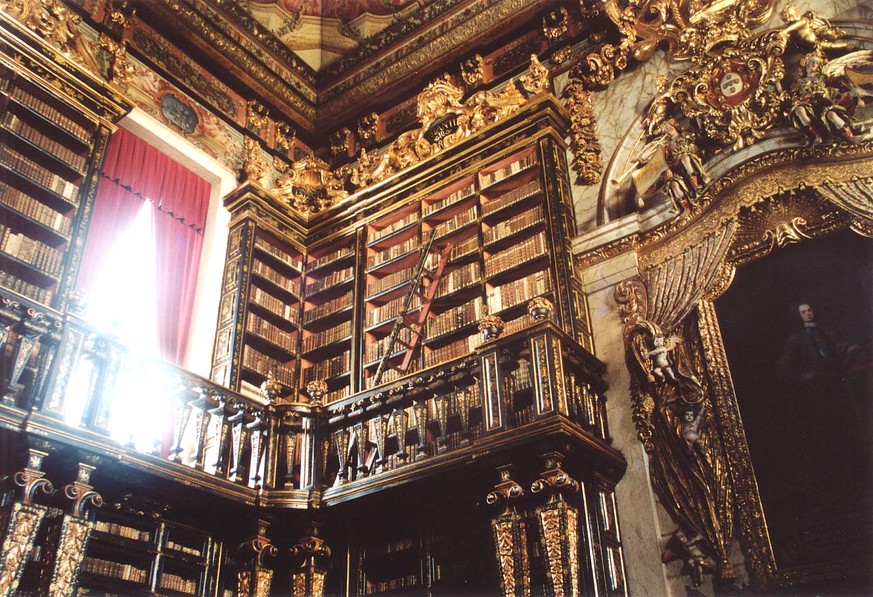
{"x":133,"y":172}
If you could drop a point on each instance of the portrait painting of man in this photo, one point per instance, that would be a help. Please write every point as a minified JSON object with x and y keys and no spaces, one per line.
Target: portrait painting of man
{"x":798,"y":332}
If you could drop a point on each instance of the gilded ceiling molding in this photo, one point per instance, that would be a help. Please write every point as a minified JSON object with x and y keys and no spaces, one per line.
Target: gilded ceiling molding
{"x":359,"y":86}
{"x":289,"y":90}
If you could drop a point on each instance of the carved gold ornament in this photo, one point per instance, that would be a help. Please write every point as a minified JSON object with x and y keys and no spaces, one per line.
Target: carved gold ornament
{"x":309,"y":186}
{"x":734,"y":96}
{"x":445,"y":119}
{"x":316,"y":389}
{"x":285,"y":135}
{"x":255,"y":166}
{"x":49,"y":19}
{"x":510,"y":536}
{"x":688,"y":29}
{"x":555,"y":23}
{"x":537,"y":80}
{"x":491,"y":326}
{"x":584,"y":143}
{"x":257,"y":115}
{"x":368,"y":129}
{"x":473,"y":70}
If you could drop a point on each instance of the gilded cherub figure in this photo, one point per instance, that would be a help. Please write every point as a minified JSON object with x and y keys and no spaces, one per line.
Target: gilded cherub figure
{"x":812,"y":109}
{"x":812,"y":31}
{"x":659,"y":358}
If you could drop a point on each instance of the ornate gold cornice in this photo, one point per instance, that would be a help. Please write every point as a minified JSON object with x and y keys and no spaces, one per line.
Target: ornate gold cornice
{"x":746,"y":184}
{"x":216,"y":36}
{"x":446,"y":118}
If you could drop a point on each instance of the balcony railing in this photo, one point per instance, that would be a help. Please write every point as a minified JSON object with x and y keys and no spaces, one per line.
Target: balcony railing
{"x":67,"y":382}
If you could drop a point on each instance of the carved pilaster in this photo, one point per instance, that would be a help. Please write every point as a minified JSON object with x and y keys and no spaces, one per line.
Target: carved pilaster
{"x":558,"y":523}
{"x":21,"y":521}
{"x":510,"y":536}
{"x":74,"y":533}
{"x":309,"y":558}
{"x":255,"y":580}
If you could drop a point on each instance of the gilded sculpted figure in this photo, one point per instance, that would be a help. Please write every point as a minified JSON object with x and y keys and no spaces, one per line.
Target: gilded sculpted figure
{"x":813,"y":109}
{"x":812,"y":31}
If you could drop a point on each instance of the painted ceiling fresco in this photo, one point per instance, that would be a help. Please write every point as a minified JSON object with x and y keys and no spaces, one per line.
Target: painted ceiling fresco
{"x":322,"y":31}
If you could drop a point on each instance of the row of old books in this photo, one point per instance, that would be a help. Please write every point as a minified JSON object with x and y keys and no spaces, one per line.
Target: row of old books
{"x":42,"y":141}
{"x":318,"y":339}
{"x":52,"y":114}
{"x":274,"y":305}
{"x":40,"y":255}
{"x":35,"y":210}
{"x":263,"y":270}
{"x":38,"y":174}
{"x":276,"y":335}
{"x":292,"y":260}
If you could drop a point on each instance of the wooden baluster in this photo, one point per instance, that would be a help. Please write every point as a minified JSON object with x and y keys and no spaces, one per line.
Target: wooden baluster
{"x":341,"y":437}
{"x":401,"y":426}
{"x":362,"y":440}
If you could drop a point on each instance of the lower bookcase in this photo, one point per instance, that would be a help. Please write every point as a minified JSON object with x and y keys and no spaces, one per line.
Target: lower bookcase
{"x":141,"y":555}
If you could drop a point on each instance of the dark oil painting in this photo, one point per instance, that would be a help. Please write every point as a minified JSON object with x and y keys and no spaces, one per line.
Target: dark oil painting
{"x":798,"y":328}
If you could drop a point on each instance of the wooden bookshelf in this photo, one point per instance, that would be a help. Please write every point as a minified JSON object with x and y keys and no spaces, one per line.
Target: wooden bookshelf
{"x":47,"y":147}
{"x":328,"y":312}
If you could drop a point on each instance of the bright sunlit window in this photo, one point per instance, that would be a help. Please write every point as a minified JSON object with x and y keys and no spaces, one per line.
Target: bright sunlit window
{"x":122,"y":301}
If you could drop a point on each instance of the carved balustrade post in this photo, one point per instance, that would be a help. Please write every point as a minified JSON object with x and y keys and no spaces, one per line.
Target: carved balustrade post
{"x":283,"y":442}
{"x":380,"y":434}
{"x":510,"y":536}
{"x":204,"y":418}
{"x":21,"y":522}
{"x":312,"y":447}
{"x":67,"y":551}
{"x":441,"y":390}
{"x":558,"y":522}
{"x":190,"y":400}
{"x":63,"y":366}
{"x":31,"y":326}
{"x":255,"y":579}
{"x":272,"y":443}
{"x":419,"y":413}
{"x":341,"y":437}
{"x":106,"y":362}
{"x":401,"y":427}
{"x":9,"y":316}
{"x":460,"y":381}
{"x":362,"y":439}
{"x":238,"y":431}
{"x":222,"y":413}
{"x":257,"y":431}
{"x":309,"y":557}
{"x":548,"y":374}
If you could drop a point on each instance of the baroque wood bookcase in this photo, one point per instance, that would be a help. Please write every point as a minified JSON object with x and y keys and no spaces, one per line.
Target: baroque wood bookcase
{"x":318,"y":298}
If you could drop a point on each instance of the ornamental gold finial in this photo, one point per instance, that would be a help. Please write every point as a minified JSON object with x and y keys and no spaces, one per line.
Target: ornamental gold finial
{"x":317,"y":389}
{"x":491,"y":327}
{"x":540,"y":308}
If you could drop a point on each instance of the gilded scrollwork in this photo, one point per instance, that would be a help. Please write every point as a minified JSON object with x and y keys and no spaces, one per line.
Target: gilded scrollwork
{"x":310,"y":186}
{"x":584,"y":142}
{"x":537,"y":80}
{"x":687,"y":29}
{"x":445,"y":119}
